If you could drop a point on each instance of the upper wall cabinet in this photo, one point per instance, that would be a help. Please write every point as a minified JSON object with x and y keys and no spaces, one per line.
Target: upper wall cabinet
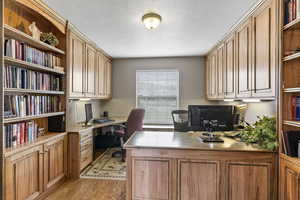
{"x":264,"y":50}
{"x":90,"y":89}
{"x":247,"y":58}
{"x":229,"y":87}
{"x":220,"y":72}
{"x":243,"y":60}
{"x":76,"y":66}
{"x":211,"y":79}
{"x":89,"y":71}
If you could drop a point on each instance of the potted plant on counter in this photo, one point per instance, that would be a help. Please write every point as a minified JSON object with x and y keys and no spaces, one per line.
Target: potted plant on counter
{"x":262,"y":132}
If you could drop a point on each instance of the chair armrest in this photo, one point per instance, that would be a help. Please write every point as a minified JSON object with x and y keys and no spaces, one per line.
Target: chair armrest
{"x":120,"y":126}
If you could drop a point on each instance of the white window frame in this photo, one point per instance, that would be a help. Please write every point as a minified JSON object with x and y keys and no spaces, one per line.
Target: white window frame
{"x":158,"y":70}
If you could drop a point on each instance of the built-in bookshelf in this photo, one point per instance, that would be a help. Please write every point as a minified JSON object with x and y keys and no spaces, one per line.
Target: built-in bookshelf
{"x":33,"y":75}
{"x":289,"y":114}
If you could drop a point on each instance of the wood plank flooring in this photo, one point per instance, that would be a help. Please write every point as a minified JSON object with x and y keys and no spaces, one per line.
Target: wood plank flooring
{"x":90,"y":189}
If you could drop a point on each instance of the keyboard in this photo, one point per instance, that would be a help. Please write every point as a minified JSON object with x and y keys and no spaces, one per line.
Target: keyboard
{"x":101,"y":121}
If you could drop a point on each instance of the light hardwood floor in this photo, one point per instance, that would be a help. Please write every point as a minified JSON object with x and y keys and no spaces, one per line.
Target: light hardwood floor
{"x":90,"y":189}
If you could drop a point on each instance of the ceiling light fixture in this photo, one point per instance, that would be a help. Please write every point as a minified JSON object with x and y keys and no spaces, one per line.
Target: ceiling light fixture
{"x":151,"y":20}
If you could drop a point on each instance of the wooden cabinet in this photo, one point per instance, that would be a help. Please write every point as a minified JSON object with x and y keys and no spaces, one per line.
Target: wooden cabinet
{"x":243,"y":60}
{"x":198,"y":179}
{"x":248,"y":180}
{"x":289,"y":183}
{"x":148,"y":172}
{"x":81,"y":146}
{"x":24,"y":175}
{"x":247,"y":58}
{"x":200,"y":175}
{"x":220,"y":72}
{"x":264,"y":27}
{"x":229,"y":68}
{"x":89,"y":71}
{"x":211,"y":79}
{"x":76,"y":69}
{"x":90,"y":80}
{"x":33,"y":172}
{"x":108,"y":77}
{"x":55,"y":161}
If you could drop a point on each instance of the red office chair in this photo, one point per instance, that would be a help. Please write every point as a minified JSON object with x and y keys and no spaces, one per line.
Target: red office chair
{"x":134,"y":123}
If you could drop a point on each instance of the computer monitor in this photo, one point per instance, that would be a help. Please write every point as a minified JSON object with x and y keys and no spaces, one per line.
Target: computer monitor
{"x":88,"y":113}
{"x":200,"y":116}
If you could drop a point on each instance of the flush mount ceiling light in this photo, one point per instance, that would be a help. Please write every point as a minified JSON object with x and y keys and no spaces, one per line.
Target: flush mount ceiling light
{"x":151,"y":20}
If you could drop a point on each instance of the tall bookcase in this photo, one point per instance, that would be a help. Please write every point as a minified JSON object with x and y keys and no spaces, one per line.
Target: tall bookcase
{"x":289,"y":181}
{"x":16,"y":17}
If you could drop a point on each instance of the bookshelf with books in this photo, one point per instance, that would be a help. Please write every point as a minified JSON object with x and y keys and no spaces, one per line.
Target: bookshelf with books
{"x":33,"y":92}
{"x":289,"y":112}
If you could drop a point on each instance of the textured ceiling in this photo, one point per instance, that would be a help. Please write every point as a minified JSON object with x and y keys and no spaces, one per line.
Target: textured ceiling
{"x":189,"y":27}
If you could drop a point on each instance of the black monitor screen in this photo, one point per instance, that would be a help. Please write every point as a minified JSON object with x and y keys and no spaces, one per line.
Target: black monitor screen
{"x":88,"y":112}
{"x":221,"y":116}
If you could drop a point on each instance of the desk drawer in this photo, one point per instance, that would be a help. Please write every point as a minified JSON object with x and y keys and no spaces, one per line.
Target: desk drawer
{"x":86,"y":157}
{"x":85,"y":135}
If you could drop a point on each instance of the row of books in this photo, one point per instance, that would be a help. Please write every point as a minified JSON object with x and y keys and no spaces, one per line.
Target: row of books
{"x":27,"y":105}
{"x":20,"y":133}
{"x":16,"y":77}
{"x":292,"y":10}
{"x":19,"y":50}
{"x":295,"y":108}
{"x":291,"y":143}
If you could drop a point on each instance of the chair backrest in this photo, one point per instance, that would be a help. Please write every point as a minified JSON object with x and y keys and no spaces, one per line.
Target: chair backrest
{"x":135,"y":121}
{"x":180,"y":120}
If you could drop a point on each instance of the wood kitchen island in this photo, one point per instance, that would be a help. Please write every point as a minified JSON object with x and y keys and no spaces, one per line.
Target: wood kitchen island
{"x":173,"y":166}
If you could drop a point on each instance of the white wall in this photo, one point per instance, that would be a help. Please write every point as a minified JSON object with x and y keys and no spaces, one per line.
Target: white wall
{"x":192,"y":81}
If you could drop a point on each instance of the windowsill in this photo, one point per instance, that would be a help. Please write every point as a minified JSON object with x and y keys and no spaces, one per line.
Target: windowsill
{"x":158,"y":127}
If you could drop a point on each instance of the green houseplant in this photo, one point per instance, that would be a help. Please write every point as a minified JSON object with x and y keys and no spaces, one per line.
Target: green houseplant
{"x":49,"y":38}
{"x":262,"y":132}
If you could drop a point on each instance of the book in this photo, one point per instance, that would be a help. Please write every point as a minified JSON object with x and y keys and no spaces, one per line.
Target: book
{"x":28,"y":105}
{"x":20,"y":78}
{"x":21,"y":51}
{"x":291,"y":139}
{"x":20,"y":133}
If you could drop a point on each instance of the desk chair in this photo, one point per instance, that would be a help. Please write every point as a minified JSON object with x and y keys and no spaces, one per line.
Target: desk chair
{"x":180,"y":120}
{"x":134,"y":123}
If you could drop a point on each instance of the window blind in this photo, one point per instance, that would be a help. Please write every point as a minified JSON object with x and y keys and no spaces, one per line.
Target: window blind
{"x":157,"y":91}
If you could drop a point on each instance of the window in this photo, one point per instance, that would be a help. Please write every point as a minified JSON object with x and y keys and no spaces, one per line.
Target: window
{"x":157,"y":92}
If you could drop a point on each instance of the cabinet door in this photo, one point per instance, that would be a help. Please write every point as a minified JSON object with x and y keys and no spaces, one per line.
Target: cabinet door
{"x":230,"y":68}
{"x":108,"y":78}
{"x":151,"y":179}
{"x":220,"y":72}
{"x":198,"y":180}
{"x":100,"y":75}
{"x":90,"y":71}
{"x":264,"y":50}
{"x":243,"y":58}
{"x":55,"y":162}
{"x":289,"y":184}
{"x":207,"y":72}
{"x":249,"y":181}
{"x":213,"y":76}
{"x":24,"y":175}
{"x":76,"y":59}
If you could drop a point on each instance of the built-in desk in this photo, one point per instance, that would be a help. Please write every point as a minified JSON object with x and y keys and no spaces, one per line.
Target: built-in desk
{"x":173,"y":165}
{"x":81,"y":144}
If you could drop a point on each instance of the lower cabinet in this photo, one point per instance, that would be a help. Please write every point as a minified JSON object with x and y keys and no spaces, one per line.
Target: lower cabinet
{"x":55,"y":162}
{"x":31,"y":173}
{"x":248,"y":181}
{"x":289,"y":180}
{"x":198,"y":179}
{"x":196,"y":175}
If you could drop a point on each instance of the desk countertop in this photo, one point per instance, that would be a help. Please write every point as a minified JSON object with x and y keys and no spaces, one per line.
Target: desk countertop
{"x":80,"y":127}
{"x":188,"y":140}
